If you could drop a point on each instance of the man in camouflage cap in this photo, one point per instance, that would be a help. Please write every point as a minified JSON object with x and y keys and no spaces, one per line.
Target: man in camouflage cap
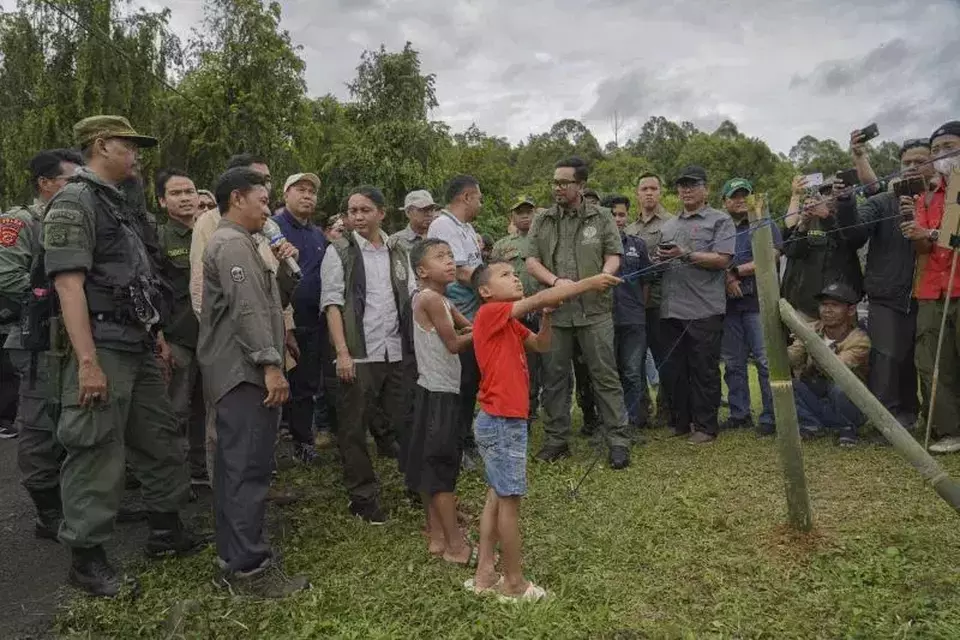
{"x":113,"y":395}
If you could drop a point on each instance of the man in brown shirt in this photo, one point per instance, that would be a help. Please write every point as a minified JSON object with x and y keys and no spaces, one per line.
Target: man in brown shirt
{"x":821,"y":405}
{"x":648,"y":227}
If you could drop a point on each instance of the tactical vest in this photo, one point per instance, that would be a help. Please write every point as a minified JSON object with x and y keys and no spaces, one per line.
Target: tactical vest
{"x":355,"y":294}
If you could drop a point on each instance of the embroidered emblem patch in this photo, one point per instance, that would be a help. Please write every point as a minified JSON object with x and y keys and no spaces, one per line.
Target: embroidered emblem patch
{"x":10,"y":231}
{"x":589,"y":232}
{"x":236,"y":273}
{"x":399,"y":269}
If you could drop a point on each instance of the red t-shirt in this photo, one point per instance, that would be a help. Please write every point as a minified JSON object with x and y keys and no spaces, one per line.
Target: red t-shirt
{"x":498,"y":342}
{"x":933,"y":269}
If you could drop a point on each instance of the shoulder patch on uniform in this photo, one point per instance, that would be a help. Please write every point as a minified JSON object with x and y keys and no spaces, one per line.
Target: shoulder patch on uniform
{"x":589,"y":232}
{"x":176,"y":253}
{"x":399,"y":269}
{"x":10,"y":229}
{"x":237,"y":274}
{"x":64,"y":215}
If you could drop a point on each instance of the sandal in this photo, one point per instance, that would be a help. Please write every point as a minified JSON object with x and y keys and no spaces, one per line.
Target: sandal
{"x":471,"y":586}
{"x":533,"y":593}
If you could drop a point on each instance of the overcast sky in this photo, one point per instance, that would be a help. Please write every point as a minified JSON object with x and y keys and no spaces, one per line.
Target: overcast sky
{"x":779,"y":70}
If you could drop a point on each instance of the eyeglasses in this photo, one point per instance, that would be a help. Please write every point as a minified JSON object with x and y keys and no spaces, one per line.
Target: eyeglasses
{"x":563,"y":184}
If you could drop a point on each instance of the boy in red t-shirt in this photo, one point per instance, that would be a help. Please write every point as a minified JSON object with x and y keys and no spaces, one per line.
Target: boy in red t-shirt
{"x":501,"y":426}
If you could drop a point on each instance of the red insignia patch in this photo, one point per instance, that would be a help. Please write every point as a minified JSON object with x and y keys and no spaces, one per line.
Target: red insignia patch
{"x":10,"y":231}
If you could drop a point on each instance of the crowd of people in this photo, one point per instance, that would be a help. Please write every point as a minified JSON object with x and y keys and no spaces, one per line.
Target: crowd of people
{"x":174,"y":353}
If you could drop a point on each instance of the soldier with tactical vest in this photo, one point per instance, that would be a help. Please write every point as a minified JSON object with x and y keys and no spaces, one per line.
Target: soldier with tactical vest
{"x":366,"y":297}
{"x":241,"y":352}
{"x":570,"y":241}
{"x":113,"y":396}
{"x":38,"y":452}
{"x":178,"y":197}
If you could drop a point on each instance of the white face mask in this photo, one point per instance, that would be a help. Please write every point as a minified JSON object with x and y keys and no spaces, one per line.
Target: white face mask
{"x":946,"y":166}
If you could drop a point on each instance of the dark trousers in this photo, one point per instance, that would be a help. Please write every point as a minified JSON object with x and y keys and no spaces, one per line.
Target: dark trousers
{"x":630,"y":343}
{"x":691,"y":372}
{"x":822,"y":405}
{"x":893,"y":375}
{"x":9,"y":386}
{"x":378,"y":386}
{"x":659,"y":350}
{"x":469,"y":387}
{"x":585,"y":397}
{"x":306,"y":381}
{"x":246,"y":436}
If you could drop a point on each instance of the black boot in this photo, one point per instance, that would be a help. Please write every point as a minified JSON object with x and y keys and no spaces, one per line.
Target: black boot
{"x":168,"y":537}
{"x":90,"y":571}
{"x":49,"y":513}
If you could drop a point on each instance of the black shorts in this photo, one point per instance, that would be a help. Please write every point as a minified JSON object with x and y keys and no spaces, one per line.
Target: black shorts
{"x":433,"y":457}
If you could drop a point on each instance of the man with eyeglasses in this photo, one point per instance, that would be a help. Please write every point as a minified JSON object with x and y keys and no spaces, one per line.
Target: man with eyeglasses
{"x":888,"y":281}
{"x":695,"y":251}
{"x":923,"y":218}
{"x":570,"y":241}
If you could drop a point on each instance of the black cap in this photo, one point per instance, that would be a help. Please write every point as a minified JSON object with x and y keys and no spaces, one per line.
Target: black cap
{"x":692,"y":172}
{"x":951,"y":128}
{"x":840,"y":292}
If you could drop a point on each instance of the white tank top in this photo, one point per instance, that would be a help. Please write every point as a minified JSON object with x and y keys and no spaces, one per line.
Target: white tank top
{"x":439,"y":370}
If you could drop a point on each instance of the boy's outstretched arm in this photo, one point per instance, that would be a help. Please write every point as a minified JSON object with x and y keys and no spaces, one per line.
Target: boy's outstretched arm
{"x":460,"y":321}
{"x":540,"y":342}
{"x":555,"y":296}
{"x":436,"y":312}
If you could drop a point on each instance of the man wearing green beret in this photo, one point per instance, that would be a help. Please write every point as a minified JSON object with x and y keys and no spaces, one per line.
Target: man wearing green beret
{"x":113,"y":395}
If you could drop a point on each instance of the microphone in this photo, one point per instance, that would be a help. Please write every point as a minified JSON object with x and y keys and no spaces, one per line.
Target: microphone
{"x":271,"y":231}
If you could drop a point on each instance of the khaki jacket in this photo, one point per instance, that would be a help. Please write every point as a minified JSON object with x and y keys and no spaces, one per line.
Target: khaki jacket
{"x":853,"y":351}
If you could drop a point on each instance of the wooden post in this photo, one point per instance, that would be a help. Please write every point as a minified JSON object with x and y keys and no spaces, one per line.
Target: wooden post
{"x":904,"y":444}
{"x":781,"y":384}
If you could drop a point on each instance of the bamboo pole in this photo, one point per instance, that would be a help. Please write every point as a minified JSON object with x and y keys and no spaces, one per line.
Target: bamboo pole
{"x":781,"y":384}
{"x":903,"y":443}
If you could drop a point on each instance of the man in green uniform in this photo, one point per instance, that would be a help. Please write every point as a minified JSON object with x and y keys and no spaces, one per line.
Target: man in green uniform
{"x":178,"y":196}
{"x":113,"y":397}
{"x":570,"y":241}
{"x":513,"y":249}
{"x":38,"y":453}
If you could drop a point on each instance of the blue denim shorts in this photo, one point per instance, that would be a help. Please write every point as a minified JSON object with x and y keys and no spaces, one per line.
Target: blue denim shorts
{"x":503,"y":446}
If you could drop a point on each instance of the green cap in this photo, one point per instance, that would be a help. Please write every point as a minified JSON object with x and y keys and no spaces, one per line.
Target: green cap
{"x":525,"y":200}
{"x":89,"y":129}
{"x":733,"y":185}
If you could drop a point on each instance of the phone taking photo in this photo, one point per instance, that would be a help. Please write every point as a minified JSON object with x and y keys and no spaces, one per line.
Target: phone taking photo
{"x":869,"y":132}
{"x":910,"y":187}
{"x":813,"y":180}
{"x":849,"y":177}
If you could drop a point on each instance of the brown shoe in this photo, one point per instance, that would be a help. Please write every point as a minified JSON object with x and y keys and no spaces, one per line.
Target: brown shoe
{"x":699,"y":437}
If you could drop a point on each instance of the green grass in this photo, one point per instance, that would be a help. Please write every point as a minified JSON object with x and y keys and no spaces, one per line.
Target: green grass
{"x":686,"y":543}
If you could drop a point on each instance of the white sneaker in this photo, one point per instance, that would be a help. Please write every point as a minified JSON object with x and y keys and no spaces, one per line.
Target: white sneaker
{"x":950,"y":444}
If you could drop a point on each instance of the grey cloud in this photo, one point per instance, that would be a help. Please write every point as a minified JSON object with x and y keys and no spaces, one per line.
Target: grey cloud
{"x":840,"y":75}
{"x":637,"y":95}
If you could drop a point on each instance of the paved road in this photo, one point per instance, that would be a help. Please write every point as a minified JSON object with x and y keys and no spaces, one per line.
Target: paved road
{"x":32,"y":572}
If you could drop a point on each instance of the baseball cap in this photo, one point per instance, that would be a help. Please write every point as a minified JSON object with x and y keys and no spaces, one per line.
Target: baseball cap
{"x":951,"y":128}
{"x":94,"y":127}
{"x":420,"y":199}
{"x":840,"y":292}
{"x":312,"y":178}
{"x":691,"y":172}
{"x":526,"y":200}
{"x":733,"y":185}
{"x":591,"y":193}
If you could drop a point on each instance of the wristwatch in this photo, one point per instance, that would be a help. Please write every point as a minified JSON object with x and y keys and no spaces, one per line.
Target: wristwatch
{"x":735,"y":270}
{"x":934,"y":235}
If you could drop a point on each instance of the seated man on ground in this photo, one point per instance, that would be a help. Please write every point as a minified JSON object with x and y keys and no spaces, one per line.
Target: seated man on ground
{"x":821,"y":405}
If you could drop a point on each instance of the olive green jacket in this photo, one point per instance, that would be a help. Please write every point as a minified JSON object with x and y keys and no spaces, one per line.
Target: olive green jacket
{"x":597,"y":237}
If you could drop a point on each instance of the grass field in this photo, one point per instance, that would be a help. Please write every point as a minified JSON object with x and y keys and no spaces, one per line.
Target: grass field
{"x":686,"y":543}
